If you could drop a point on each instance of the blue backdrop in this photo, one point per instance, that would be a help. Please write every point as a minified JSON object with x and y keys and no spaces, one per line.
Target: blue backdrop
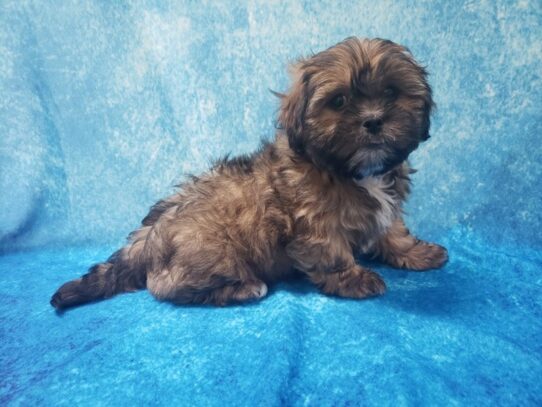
{"x":104,"y":106}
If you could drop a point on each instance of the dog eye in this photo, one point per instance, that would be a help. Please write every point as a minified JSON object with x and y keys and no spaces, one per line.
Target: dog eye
{"x":391,"y":92}
{"x":338,"y":102}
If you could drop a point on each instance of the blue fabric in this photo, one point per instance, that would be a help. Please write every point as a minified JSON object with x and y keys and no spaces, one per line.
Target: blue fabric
{"x":105,"y":105}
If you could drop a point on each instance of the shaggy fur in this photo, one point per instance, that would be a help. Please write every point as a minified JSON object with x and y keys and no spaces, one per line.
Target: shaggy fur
{"x":329,"y":187}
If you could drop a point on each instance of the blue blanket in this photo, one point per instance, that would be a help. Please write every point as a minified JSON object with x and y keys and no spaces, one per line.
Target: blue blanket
{"x":104,"y":106}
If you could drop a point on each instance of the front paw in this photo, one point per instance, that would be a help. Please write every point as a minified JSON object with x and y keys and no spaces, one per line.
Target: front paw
{"x":424,"y":256}
{"x":360,"y":283}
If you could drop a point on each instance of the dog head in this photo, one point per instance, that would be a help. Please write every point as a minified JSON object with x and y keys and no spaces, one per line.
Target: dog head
{"x":358,"y":108}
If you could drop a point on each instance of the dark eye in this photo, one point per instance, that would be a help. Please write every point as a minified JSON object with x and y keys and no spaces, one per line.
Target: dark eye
{"x":338,"y":102}
{"x":391,"y":92}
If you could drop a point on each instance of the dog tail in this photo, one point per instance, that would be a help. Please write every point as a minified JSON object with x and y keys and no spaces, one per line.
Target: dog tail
{"x":102,"y":281}
{"x":124,"y":271}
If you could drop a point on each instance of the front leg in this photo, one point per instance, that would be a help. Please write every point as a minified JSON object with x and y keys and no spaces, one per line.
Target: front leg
{"x":332,"y":268}
{"x":400,"y":249}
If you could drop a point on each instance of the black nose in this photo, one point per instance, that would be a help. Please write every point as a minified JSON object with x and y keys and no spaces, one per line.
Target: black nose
{"x":373,"y":125}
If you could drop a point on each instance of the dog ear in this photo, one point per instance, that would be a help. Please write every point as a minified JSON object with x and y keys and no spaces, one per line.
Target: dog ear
{"x":426,"y":123}
{"x":427,"y":93}
{"x":293,"y":108}
{"x":423,"y":88}
{"x":429,"y":105}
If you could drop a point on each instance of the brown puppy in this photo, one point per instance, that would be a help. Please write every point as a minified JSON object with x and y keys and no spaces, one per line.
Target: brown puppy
{"x":331,"y":185}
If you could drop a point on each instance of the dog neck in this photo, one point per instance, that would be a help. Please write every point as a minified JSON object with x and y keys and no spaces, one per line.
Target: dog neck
{"x":318,"y":160}
{"x":336,"y":170}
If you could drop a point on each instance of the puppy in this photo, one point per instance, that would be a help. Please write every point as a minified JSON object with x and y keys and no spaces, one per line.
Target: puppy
{"x":329,"y":187}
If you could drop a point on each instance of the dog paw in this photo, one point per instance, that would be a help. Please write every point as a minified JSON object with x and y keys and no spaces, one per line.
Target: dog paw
{"x":425,"y":256}
{"x":251,"y":291}
{"x":260,"y":290}
{"x":362,"y":285}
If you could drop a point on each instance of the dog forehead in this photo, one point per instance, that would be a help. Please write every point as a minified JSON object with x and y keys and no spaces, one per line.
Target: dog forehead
{"x":354,"y":62}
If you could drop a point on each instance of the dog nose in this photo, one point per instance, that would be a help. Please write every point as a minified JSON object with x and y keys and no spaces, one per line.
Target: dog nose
{"x":373,"y":125}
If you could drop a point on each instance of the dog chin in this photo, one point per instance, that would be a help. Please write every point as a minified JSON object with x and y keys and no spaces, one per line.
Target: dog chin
{"x":378,"y":168}
{"x":373,"y":162}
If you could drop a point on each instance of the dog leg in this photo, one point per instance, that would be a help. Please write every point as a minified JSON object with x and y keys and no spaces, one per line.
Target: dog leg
{"x":332,"y":268}
{"x":241,"y":292}
{"x":400,"y":249}
{"x":179,"y":288}
{"x":354,"y":282}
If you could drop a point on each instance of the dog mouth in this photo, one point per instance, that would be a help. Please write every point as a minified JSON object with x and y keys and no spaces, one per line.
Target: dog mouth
{"x":378,"y":140}
{"x":376,"y":157}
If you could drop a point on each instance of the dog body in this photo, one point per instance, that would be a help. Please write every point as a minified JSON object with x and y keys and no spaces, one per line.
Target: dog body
{"x":330,"y":186}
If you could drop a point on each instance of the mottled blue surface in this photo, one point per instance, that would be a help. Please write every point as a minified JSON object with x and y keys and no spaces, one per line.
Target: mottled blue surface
{"x":105,"y":105}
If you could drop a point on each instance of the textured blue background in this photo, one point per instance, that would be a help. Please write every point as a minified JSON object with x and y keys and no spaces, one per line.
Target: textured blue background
{"x":104,"y":106}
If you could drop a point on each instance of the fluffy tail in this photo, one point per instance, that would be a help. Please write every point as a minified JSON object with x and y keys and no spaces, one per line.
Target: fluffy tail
{"x":103,"y":280}
{"x":124,"y":271}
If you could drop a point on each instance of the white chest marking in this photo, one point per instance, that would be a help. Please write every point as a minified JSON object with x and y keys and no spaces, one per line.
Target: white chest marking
{"x":389,"y":202}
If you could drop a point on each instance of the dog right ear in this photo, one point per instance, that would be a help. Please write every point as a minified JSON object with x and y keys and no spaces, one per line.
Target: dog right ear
{"x":293,"y":108}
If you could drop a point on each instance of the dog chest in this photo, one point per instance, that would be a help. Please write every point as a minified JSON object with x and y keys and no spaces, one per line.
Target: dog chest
{"x":388,"y":203}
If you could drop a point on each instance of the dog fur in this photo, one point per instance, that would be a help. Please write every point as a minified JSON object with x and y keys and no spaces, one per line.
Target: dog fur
{"x":329,"y":187}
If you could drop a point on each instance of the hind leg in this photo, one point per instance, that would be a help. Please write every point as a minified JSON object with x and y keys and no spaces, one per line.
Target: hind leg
{"x":236,"y":293}
{"x":183,"y":288}
{"x":198,"y":259}
{"x":209,"y":273}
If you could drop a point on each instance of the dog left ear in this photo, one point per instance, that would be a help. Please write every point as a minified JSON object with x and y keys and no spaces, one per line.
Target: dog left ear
{"x":429,"y":105}
{"x":426,"y":121}
{"x":293,"y":108}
